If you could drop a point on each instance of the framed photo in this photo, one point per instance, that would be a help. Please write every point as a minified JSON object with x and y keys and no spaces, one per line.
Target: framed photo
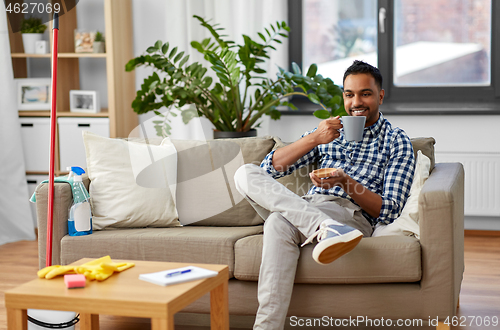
{"x":84,"y":41}
{"x":33,"y":93}
{"x":84,"y":101}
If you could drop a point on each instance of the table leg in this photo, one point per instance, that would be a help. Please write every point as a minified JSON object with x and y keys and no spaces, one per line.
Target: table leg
{"x":219,"y":307}
{"x":89,"y":321}
{"x":162,"y":324}
{"x":17,"y":319}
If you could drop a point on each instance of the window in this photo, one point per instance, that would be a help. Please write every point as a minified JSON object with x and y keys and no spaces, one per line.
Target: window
{"x":427,"y":50}
{"x":336,"y":32}
{"x":432,"y":39}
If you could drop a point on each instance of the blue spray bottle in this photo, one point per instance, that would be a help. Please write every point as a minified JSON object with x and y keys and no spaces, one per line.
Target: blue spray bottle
{"x":80,"y":214}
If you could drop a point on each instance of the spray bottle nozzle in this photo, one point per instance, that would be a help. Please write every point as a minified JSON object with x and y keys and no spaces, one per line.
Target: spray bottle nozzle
{"x":75,"y":169}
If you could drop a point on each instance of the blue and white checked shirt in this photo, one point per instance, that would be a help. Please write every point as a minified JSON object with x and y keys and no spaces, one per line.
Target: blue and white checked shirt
{"x":383,"y":162}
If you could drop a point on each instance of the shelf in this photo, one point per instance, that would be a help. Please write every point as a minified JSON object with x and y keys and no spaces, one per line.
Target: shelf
{"x":56,"y":173}
{"x":103,"y":113}
{"x":60,"y":55}
{"x":37,"y":173}
{"x":46,"y":113}
{"x":121,"y":88}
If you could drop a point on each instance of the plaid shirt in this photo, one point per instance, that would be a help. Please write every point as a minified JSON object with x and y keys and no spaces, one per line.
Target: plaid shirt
{"x":383,"y":162}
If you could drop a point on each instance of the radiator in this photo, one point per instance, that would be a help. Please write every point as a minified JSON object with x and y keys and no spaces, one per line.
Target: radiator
{"x":482,"y":181}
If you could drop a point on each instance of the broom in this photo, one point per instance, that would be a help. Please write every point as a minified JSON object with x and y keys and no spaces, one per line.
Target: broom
{"x":53,"y":123}
{"x":50,"y":210}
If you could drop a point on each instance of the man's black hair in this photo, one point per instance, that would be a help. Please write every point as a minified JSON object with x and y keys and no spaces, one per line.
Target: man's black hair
{"x":363,"y":67}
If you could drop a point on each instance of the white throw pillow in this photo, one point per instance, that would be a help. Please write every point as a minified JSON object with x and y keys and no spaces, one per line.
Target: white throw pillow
{"x":407,"y":223}
{"x":132,"y":184}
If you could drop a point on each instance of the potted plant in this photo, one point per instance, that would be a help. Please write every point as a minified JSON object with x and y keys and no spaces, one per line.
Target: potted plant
{"x":236,"y":94}
{"x":99,"y":43}
{"x":32,"y":31}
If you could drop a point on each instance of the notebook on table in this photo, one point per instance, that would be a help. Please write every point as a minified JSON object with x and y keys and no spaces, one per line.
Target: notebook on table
{"x":178,"y":275}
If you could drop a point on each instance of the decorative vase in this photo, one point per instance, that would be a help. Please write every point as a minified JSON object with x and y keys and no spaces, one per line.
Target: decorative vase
{"x":99,"y":47}
{"x":29,"y":40}
{"x":234,"y":135}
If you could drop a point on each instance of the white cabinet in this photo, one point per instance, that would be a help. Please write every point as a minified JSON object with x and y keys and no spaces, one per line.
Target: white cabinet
{"x":71,"y":147}
{"x":35,"y":135}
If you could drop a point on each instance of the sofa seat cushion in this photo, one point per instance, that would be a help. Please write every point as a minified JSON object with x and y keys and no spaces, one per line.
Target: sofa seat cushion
{"x":386,"y":259}
{"x":210,"y":245}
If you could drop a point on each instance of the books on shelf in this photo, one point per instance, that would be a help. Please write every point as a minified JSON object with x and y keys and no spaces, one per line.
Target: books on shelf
{"x":178,"y":275}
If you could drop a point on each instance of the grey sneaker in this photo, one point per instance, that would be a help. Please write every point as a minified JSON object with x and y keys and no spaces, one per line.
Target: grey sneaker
{"x":334,"y":240}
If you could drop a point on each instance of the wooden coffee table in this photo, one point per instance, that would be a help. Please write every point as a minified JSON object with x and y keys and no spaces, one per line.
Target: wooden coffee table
{"x":122,"y":294}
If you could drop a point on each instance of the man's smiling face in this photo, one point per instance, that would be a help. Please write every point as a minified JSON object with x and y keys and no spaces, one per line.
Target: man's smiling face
{"x":362,"y":97}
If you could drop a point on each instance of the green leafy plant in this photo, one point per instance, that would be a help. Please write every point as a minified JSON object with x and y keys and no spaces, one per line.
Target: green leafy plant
{"x":32,"y":25}
{"x":237,"y":94}
{"x":99,"y":37}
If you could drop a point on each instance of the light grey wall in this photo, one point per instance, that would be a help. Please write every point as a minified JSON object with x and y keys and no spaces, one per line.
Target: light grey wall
{"x":149,"y":26}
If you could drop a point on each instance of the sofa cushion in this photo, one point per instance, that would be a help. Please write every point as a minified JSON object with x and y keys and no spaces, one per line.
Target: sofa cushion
{"x":372,"y":261}
{"x":209,"y":245}
{"x":407,"y":222}
{"x":426,"y":145}
{"x":206,"y":192}
{"x":132,"y":184}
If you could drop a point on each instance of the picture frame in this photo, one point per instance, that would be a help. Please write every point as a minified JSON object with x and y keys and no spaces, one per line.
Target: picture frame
{"x":33,"y":94}
{"x":84,"y":41}
{"x":84,"y":101}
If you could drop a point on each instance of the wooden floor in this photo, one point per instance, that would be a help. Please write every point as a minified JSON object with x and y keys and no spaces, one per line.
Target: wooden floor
{"x":480,"y":295}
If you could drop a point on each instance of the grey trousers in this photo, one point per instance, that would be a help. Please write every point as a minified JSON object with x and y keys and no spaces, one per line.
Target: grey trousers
{"x":289,"y":220}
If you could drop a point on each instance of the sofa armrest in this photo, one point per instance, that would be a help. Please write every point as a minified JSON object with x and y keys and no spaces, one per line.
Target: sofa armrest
{"x":441,"y":213}
{"x":63,"y":199}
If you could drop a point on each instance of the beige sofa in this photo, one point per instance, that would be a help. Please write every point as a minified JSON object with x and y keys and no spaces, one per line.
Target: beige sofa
{"x":391,"y":277}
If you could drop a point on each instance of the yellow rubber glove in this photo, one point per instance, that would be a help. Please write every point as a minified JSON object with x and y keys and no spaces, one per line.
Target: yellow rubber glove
{"x":98,"y":269}
{"x":104,"y":274}
{"x":44,"y":271}
{"x":53,"y":271}
{"x":108,"y":269}
{"x":101,"y":269}
{"x":124,"y":266}
{"x":106,"y":259}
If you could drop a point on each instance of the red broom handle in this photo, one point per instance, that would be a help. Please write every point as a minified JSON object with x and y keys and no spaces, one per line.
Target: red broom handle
{"x":53,"y":123}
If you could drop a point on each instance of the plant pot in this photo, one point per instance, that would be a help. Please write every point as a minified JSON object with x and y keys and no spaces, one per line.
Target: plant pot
{"x":29,"y":40}
{"x":234,"y":135}
{"x":99,"y":47}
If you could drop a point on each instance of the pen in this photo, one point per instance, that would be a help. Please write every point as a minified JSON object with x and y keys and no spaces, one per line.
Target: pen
{"x":180,"y":272}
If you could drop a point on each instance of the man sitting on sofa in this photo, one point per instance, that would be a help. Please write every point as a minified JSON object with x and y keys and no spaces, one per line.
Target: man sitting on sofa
{"x":371,"y":183}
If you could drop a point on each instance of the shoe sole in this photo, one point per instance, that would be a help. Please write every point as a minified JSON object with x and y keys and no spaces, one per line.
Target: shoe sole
{"x":331,"y":249}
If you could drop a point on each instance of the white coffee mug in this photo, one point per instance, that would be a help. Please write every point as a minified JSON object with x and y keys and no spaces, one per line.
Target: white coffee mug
{"x":353,"y":127}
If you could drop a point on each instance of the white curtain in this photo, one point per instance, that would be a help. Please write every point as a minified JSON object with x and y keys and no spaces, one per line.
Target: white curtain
{"x":16,"y":222}
{"x":237,"y":17}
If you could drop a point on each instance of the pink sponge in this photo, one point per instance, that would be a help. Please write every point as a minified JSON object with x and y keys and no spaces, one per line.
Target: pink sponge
{"x":74,"y":281}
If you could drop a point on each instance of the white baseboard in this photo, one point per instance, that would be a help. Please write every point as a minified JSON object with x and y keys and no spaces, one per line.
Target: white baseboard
{"x":482,"y":223}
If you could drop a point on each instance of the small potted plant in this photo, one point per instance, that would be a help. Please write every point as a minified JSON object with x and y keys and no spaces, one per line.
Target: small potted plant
{"x":32,"y":31}
{"x":99,"y":43}
{"x":236,"y":93}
